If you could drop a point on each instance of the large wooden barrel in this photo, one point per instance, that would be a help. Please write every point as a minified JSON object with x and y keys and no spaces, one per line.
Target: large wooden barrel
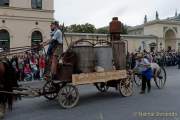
{"x":85,"y":58}
{"x":104,"y":57}
{"x":65,"y":72}
{"x":119,"y":54}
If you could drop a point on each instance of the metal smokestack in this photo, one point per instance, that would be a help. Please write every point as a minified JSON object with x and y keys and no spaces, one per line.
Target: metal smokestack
{"x":115,"y":28}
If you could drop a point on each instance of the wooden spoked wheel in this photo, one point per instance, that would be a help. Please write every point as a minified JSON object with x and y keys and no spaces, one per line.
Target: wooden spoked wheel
{"x":160,"y":79}
{"x":102,"y":87}
{"x":50,"y":90}
{"x":125,"y":87}
{"x":68,"y":96}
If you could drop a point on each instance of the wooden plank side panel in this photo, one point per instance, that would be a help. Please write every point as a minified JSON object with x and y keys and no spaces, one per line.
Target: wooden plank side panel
{"x":90,"y":78}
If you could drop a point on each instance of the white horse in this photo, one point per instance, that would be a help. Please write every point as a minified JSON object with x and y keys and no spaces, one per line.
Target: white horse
{"x":156,"y":69}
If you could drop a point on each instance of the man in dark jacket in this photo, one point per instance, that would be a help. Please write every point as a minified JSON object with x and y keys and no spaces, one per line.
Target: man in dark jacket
{"x":178,"y":58}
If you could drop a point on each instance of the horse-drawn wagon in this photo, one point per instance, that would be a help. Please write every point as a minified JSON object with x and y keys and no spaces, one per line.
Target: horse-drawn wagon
{"x":81,"y":65}
{"x":101,"y":63}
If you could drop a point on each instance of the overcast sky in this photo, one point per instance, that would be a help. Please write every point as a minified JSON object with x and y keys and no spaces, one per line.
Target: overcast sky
{"x":100,"y":12}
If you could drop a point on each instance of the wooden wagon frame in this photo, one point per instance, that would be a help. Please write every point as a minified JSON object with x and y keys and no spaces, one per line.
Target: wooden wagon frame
{"x":67,"y":91}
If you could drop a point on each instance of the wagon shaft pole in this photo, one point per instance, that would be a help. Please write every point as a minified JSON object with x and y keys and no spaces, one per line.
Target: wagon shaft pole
{"x":30,"y":93}
{"x":13,"y":93}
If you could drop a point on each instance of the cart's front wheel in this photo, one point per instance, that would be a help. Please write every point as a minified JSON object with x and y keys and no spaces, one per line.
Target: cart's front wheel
{"x":68,"y":96}
{"x":126,"y":87}
{"x":50,"y":90}
{"x":102,"y":87}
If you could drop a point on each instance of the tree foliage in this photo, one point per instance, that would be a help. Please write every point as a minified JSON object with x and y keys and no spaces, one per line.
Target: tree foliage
{"x":89,"y":28}
{"x":103,"y":30}
{"x":81,"y":28}
{"x":124,"y":29}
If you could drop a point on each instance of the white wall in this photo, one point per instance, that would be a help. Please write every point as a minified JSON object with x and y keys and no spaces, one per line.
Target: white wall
{"x":20,"y":3}
{"x":20,"y":21}
{"x":13,"y":12}
{"x":155,"y":29}
{"x":46,"y":4}
{"x":20,"y":31}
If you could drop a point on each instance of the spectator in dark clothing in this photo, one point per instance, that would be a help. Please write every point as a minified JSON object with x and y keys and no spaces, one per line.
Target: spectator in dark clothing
{"x":178,"y":58}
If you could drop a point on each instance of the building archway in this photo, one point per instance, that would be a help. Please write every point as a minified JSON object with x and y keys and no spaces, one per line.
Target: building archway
{"x":4,"y":39}
{"x":170,"y":40}
{"x":36,"y":38}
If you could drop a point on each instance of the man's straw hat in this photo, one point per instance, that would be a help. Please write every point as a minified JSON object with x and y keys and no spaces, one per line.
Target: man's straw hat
{"x":139,"y":55}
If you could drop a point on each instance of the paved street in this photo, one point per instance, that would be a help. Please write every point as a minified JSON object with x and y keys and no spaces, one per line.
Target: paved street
{"x":107,"y":106}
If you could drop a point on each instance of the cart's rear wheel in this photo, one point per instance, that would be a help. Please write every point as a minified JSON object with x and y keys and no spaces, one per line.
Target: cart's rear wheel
{"x":68,"y":96}
{"x":125,"y":87}
{"x":160,"y":80}
{"x":102,"y":87}
{"x":50,"y":90}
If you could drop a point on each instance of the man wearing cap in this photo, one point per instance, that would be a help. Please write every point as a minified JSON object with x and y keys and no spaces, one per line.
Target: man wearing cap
{"x":55,"y":49}
{"x":143,"y":67}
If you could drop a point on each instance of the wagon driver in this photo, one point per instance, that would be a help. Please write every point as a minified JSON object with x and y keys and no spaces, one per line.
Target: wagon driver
{"x":55,"y":49}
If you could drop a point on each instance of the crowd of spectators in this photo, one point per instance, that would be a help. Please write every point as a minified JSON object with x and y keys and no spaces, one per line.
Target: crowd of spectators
{"x":162,"y":58}
{"x":29,"y":66}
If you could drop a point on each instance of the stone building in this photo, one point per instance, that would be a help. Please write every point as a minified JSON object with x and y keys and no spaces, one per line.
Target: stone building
{"x":24,"y":22}
{"x":167,"y":32}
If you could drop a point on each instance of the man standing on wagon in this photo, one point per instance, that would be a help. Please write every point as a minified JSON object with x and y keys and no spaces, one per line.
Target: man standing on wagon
{"x":55,"y":49}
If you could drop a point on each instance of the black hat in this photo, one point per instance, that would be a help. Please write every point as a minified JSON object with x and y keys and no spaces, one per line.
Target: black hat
{"x":55,"y":22}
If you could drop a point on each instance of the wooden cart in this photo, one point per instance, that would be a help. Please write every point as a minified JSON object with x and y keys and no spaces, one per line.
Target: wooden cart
{"x":68,"y":95}
{"x":67,"y":90}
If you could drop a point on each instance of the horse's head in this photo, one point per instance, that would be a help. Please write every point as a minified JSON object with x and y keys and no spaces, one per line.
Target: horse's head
{"x":11,"y":74}
{"x":8,"y":80}
{"x":2,"y":71}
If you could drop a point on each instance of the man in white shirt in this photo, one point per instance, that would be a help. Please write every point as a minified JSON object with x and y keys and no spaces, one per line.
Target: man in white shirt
{"x":55,"y":49}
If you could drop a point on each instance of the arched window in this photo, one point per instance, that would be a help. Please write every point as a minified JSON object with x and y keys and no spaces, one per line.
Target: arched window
{"x":4,"y":2}
{"x":36,"y":4}
{"x":4,"y":39}
{"x":36,"y":37}
{"x":170,"y":40}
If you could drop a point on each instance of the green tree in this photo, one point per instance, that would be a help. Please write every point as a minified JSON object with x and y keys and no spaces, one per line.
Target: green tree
{"x":103,"y":30}
{"x":124,"y":29}
{"x":81,"y":28}
{"x":89,"y":28}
